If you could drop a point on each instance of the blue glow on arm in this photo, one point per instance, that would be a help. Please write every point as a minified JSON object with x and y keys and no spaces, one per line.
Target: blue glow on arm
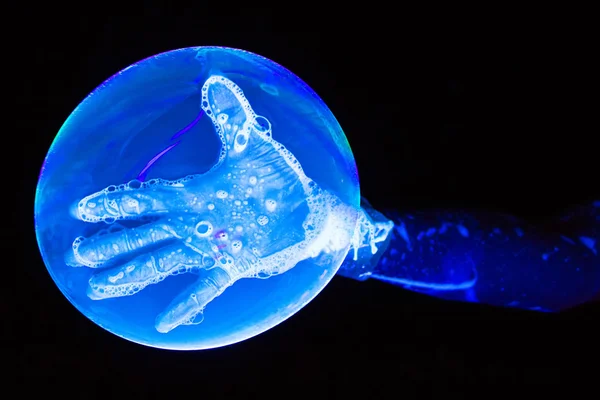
{"x":489,"y":258}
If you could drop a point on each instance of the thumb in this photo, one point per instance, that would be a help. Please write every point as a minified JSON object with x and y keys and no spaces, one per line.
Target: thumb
{"x":188,"y":307}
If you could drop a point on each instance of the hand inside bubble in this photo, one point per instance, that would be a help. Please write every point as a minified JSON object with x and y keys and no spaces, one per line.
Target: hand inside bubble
{"x":253,"y":215}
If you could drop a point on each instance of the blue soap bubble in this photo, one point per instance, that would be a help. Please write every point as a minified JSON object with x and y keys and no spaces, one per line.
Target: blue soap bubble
{"x":196,"y":198}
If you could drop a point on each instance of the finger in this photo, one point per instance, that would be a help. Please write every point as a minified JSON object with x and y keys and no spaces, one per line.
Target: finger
{"x":188,"y":307}
{"x":231,"y":114}
{"x":146,"y":269}
{"x":131,"y":201}
{"x":97,"y":250}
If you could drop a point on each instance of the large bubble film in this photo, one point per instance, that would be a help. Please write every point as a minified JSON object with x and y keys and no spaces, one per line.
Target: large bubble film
{"x":196,"y":199}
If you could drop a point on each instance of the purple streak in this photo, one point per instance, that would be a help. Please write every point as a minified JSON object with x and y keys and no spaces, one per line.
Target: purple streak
{"x":142,"y":175}
{"x":190,"y":126}
{"x":154,"y":159}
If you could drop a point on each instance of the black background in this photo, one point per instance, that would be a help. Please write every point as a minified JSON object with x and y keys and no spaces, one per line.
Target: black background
{"x":437,"y":115}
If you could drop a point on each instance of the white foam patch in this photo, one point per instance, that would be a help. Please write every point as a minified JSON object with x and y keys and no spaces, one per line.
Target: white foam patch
{"x":82,"y":260}
{"x":369,"y":233}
